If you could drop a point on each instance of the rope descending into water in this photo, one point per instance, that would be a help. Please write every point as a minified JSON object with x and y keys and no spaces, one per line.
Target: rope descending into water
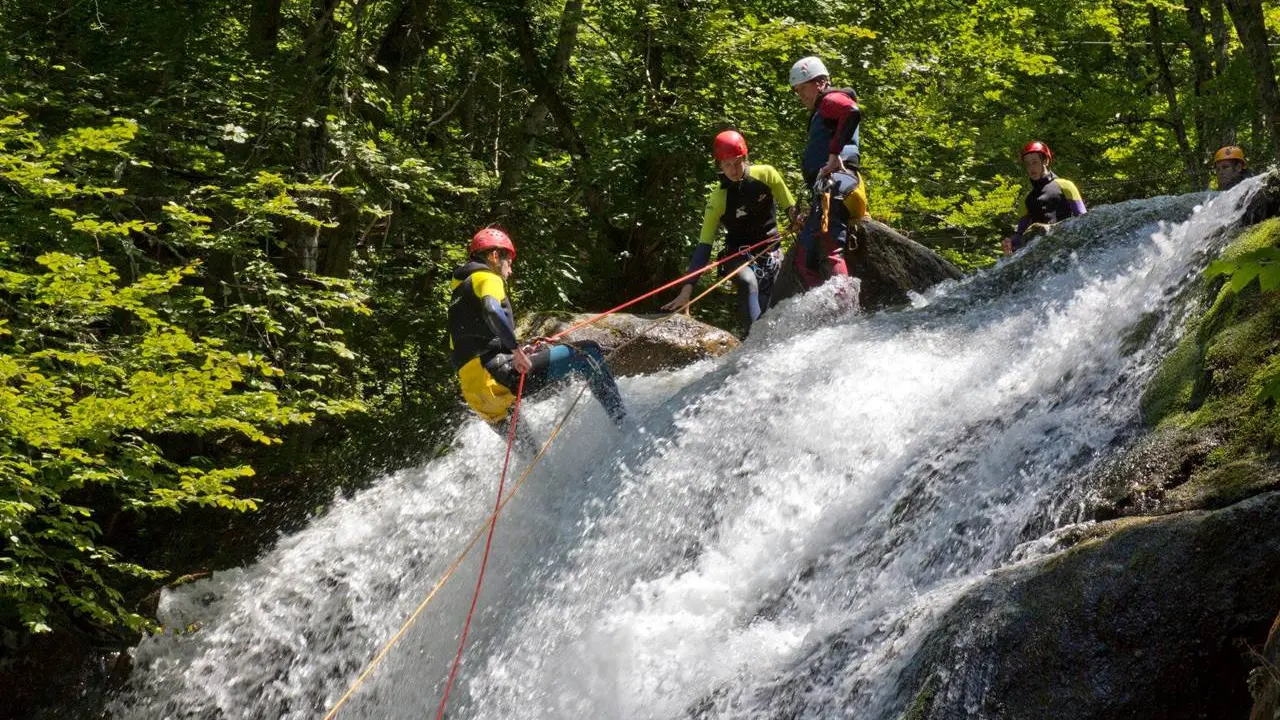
{"x":491,"y":522}
{"x":488,"y":545}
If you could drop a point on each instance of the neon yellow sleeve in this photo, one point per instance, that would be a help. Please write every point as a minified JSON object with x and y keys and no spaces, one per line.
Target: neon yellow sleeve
{"x":487,"y":283}
{"x":768,"y":175}
{"x":1069,"y":190}
{"x":711,"y":218}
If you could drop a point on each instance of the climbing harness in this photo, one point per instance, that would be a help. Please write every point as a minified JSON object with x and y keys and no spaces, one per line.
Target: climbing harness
{"x":491,"y":521}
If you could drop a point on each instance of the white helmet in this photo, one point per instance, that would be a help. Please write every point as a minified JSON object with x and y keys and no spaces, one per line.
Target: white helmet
{"x":807,"y":69}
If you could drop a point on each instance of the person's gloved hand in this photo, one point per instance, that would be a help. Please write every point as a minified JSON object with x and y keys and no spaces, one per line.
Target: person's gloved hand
{"x":521,"y":361}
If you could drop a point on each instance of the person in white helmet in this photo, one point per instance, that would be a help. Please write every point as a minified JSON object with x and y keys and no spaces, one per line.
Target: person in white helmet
{"x":831,"y":163}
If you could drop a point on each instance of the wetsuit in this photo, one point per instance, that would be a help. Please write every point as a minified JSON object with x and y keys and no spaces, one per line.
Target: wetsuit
{"x":833,"y":128}
{"x":1244,"y":174}
{"x":748,"y":209}
{"x":1051,"y":199}
{"x":482,"y":338}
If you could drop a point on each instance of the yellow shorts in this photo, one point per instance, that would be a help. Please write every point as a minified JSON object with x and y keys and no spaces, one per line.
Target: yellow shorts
{"x":489,"y":398}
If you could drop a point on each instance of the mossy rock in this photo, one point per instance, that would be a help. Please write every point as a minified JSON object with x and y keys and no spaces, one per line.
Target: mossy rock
{"x":1218,"y":487}
{"x":1144,"y":619}
{"x":638,"y":344}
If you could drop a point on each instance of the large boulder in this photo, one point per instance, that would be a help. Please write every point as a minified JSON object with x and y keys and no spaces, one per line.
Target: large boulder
{"x":889,"y":265}
{"x":1146,"y":618}
{"x":1159,"y":611}
{"x":640,"y":344}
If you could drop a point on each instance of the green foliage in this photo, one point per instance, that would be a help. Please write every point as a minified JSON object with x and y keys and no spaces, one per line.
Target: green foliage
{"x":104,"y":382}
{"x":1262,"y":265}
{"x":268,"y":220}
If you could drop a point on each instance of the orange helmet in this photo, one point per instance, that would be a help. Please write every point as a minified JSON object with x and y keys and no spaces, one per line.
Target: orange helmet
{"x":1035,"y":146}
{"x":729,"y":144}
{"x":492,"y":239}
{"x":1230,"y":152}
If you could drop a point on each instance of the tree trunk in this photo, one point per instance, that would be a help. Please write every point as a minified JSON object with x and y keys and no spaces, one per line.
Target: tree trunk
{"x":264,"y":28}
{"x":1208,"y":131}
{"x":318,"y":70}
{"x":513,"y":173}
{"x":1221,"y":39}
{"x":1170,"y":90}
{"x":414,"y":30}
{"x":1250,"y":27}
{"x":548,"y":94}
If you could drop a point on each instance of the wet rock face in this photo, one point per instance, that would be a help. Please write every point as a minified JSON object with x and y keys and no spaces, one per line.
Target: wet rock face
{"x":1264,"y":681}
{"x":1155,"y":620}
{"x":888,"y":264}
{"x":643,"y":344}
{"x":1138,"y":482}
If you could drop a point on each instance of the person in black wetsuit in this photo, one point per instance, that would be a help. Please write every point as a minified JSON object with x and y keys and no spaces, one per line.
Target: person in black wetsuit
{"x":746,"y":203}
{"x":1051,"y":198}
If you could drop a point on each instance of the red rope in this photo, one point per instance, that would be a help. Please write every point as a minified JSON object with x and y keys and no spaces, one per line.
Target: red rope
{"x":673,"y":283}
{"x":493,"y":523}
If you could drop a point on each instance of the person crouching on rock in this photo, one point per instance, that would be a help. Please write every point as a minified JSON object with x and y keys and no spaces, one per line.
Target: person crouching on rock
{"x":486,"y":353}
{"x":746,"y":202}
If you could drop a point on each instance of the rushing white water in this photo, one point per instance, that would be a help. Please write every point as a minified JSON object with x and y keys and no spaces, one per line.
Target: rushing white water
{"x":840,"y":476}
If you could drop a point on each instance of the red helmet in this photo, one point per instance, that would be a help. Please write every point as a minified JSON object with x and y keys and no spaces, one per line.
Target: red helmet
{"x":492,"y":239}
{"x":728,"y":145}
{"x":1035,"y":146}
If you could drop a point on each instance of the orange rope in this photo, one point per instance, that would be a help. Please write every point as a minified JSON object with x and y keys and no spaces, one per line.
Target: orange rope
{"x":492,"y":520}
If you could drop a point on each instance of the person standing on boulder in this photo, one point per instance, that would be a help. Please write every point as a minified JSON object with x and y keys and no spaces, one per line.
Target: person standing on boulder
{"x":483,"y":345}
{"x":831,"y":164}
{"x":745,"y":202}
{"x":1051,"y":199}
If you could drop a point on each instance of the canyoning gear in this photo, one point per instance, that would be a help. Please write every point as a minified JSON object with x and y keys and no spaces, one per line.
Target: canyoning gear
{"x":554,"y":363}
{"x":821,"y":253}
{"x":492,"y":239}
{"x":1230,"y":152}
{"x":483,"y":347}
{"x":748,"y":210}
{"x":1035,"y":146}
{"x":1050,"y":200}
{"x":834,"y":129}
{"x":481,"y":324}
{"x":728,"y":145}
{"x":806,"y":69}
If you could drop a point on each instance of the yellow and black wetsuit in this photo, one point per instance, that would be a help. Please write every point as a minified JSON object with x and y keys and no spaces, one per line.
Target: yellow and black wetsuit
{"x":1051,"y":199}
{"x":482,"y":338}
{"x":481,"y":326}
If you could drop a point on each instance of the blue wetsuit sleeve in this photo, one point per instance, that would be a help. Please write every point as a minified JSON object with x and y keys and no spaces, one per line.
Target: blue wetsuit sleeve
{"x":496,"y":318}
{"x":701,"y":256}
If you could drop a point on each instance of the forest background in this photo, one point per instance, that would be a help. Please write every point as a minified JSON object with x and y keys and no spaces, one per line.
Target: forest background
{"x":227,"y":228}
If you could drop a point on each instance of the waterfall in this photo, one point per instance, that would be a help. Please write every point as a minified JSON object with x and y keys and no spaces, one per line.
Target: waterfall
{"x":772,"y":538}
